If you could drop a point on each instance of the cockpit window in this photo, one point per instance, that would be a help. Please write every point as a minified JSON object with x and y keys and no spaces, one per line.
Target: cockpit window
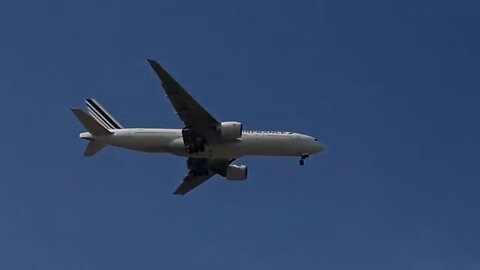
{"x":315,"y":139}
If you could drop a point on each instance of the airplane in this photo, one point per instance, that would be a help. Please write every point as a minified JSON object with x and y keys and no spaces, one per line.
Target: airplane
{"x":210,"y":146}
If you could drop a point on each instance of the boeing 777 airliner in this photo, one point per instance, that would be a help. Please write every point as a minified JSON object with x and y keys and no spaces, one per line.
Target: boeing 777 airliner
{"x":211,"y":146}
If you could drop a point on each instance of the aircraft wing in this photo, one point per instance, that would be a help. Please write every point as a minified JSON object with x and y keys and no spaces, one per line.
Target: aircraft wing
{"x":190,"y":182}
{"x":190,"y":112}
{"x":200,"y":170}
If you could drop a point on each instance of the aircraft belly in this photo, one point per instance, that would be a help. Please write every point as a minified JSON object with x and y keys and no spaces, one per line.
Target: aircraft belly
{"x":253,"y":145}
{"x":260,"y":145}
{"x":223,"y":151}
{"x":145,"y":142}
{"x":270,"y":146}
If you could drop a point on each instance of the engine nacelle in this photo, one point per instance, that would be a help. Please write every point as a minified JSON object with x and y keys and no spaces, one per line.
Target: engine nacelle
{"x":237,"y":172}
{"x":230,"y":130}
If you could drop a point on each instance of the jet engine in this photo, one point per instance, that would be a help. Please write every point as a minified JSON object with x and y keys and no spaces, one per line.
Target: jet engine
{"x":237,"y":172}
{"x":230,"y":130}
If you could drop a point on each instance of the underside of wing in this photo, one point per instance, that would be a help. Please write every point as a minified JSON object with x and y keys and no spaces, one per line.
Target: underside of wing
{"x":188,"y":109}
{"x":190,"y":182}
{"x":199,"y":171}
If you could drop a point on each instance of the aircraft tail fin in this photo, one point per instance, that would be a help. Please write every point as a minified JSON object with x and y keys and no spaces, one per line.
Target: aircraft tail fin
{"x":93,"y":147}
{"x":90,"y":124}
{"x":101,"y":115}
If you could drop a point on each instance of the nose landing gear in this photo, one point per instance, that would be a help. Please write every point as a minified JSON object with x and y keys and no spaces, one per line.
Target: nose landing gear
{"x":302,"y":159}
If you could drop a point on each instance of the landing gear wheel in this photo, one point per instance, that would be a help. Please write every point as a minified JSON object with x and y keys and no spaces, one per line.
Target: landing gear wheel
{"x":302,"y":159}
{"x":191,"y":149}
{"x":195,"y":148}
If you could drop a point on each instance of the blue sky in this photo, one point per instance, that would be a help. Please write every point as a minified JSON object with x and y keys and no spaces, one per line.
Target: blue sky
{"x":390,"y":87}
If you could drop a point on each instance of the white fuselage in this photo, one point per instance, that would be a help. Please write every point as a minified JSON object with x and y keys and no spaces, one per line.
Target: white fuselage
{"x":257,"y":143}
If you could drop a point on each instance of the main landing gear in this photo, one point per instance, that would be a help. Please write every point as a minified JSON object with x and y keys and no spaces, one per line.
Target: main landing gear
{"x":195,"y":148}
{"x":302,"y":159}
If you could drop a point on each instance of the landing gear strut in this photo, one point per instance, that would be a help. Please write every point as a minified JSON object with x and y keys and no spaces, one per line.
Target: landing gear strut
{"x":195,"y":148}
{"x":193,"y":143}
{"x":302,"y":159}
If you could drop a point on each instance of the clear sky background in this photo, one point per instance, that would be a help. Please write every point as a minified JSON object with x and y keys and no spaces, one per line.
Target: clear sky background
{"x":390,"y":87}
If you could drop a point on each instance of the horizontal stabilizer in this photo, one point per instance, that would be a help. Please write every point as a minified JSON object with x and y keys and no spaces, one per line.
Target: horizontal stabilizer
{"x":93,"y":147}
{"x":90,"y":124}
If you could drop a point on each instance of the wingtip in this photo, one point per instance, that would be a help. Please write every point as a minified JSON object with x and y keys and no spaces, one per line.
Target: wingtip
{"x":154,"y":64}
{"x":178,"y":193}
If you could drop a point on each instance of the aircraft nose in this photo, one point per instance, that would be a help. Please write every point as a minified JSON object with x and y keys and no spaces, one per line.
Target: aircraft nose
{"x":320,"y":146}
{"x":312,"y":145}
{"x":316,"y":146}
